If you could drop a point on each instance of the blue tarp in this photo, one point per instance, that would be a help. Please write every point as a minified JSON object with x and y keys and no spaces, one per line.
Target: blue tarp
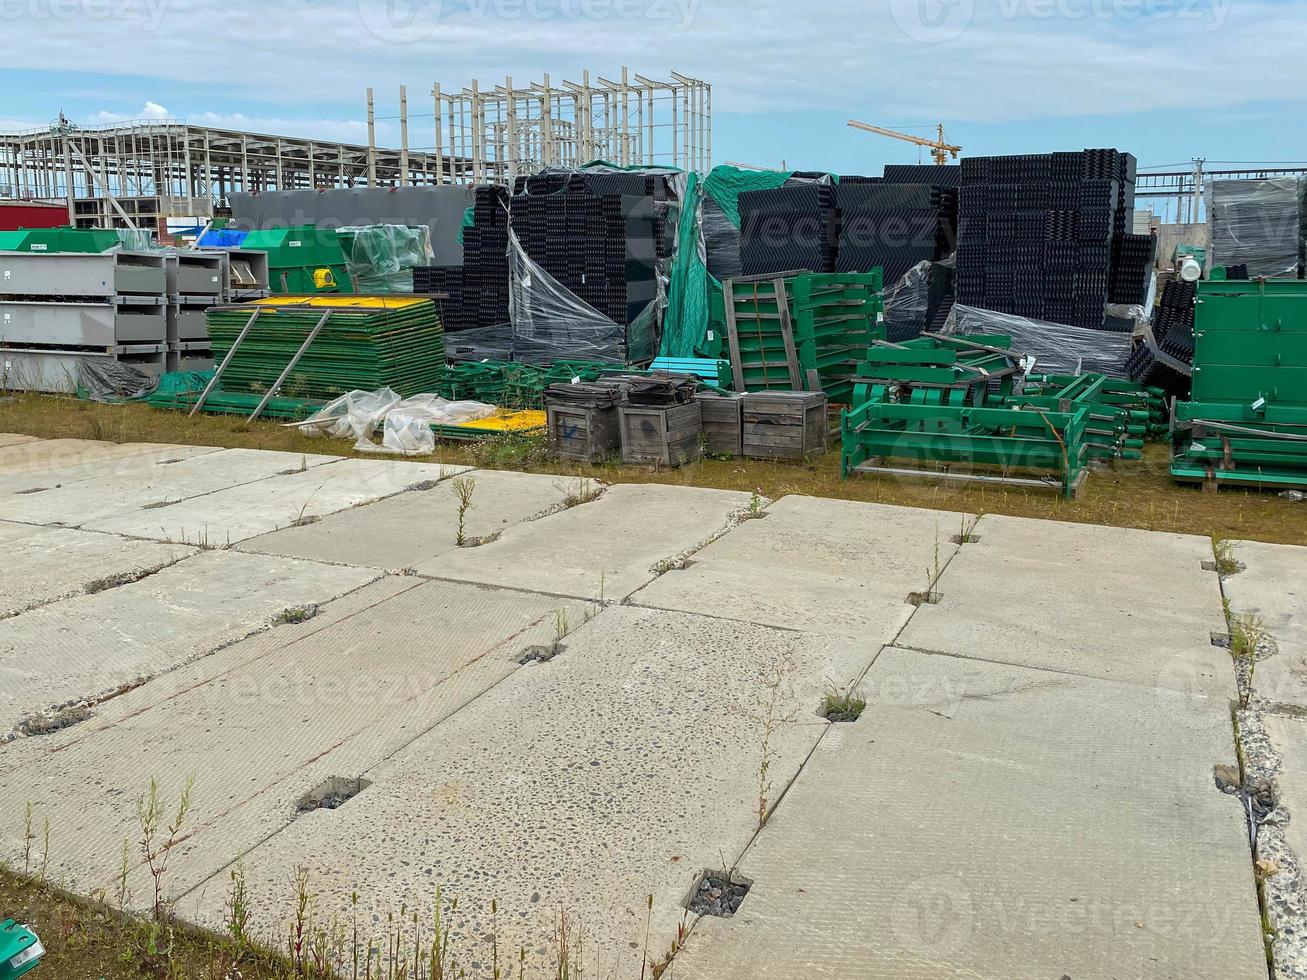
{"x":222,"y":238}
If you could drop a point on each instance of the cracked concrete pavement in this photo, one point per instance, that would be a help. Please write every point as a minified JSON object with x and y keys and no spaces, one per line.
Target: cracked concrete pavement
{"x":595,"y":703}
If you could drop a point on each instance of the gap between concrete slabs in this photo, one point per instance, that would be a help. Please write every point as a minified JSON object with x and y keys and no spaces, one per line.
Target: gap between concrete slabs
{"x":263,"y":721}
{"x":125,"y":635}
{"x":616,"y":770}
{"x":149,"y":491}
{"x":985,"y":820}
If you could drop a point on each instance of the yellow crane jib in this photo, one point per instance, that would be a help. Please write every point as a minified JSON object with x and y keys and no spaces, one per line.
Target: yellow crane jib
{"x":939,"y":148}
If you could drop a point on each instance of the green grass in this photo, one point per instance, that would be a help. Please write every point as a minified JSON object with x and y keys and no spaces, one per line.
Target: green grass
{"x":1132,"y":494}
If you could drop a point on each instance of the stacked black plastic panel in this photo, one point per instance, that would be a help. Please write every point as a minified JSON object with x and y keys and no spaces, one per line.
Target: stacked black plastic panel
{"x":475,"y":293}
{"x":894,"y":226}
{"x":599,"y":235}
{"x":1173,"y":336}
{"x":1037,"y":233}
{"x":789,"y":229}
{"x":1132,"y":265}
{"x":444,"y":284}
{"x":937,"y":176}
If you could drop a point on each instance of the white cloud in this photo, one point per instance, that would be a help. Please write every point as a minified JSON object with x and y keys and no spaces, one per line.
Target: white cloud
{"x":1015,"y":59}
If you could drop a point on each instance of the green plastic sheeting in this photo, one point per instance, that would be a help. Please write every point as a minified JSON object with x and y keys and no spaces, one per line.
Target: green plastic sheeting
{"x":725,"y":184}
{"x":380,"y":258}
{"x":693,"y":294}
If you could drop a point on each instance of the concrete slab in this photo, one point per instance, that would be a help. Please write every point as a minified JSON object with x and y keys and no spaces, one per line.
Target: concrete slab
{"x":91,"y":501}
{"x":14,"y":439}
{"x":400,"y":532}
{"x":44,"y":564}
{"x":829,"y":566}
{"x":1273,"y":585}
{"x":89,"y":646}
{"x":49,"y":463}
{"x":611,"y":543}
{"x":1103,"y":602}
{"x":264,"y":721}
{"x":982,"y":820}
{"x":262,"y":506}
{"x":616,"y":771}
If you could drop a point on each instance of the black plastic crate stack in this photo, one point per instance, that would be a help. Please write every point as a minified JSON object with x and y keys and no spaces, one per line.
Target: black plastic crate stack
{"x":1132,"y":264}
{"x":1173,"y":335}
{"x":444,"y":284}
{"x":934,"y":174}
{"x":789,"y":229}
{"x":477,"y":291}
{"x":1037,"y":233}
{"x":893,"y":226}
{"x":598,"y":235}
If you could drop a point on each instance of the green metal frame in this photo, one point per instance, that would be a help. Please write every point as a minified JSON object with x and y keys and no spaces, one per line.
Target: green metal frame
{"x":1246,"y":424}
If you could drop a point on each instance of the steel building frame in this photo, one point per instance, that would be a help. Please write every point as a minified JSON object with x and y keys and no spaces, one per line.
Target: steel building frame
{"x":502,"y":131}
{"x":141,"y":173}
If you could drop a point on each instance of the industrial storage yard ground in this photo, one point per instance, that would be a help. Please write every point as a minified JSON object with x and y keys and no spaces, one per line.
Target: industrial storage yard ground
{"x":616,"y":684}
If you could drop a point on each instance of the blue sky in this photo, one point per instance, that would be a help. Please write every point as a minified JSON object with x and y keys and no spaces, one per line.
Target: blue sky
{"x":1165,"y":79}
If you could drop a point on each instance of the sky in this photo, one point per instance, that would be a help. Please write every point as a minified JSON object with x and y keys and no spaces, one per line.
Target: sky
{"x":1167,"y":80}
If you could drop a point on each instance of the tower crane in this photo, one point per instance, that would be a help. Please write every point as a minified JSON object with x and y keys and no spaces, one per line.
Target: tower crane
{"x":939,"y":148}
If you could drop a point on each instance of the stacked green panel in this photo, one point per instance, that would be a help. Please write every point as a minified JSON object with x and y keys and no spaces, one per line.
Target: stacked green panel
{"x":834,"y":318}
{"x":1246,"y":421}
{"x":364,"y":344}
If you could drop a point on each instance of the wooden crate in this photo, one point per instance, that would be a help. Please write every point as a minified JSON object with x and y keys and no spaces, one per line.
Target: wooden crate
{"x":578,"y":432}
{"x":723,"y":423}
{"x":668,"y":436}
{"x":784,"y":424}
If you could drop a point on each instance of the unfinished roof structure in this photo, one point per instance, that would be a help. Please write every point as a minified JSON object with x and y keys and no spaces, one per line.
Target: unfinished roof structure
{"x":143,"y":172}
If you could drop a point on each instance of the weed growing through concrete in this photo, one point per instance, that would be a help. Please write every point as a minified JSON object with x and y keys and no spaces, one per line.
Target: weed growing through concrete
{"x":578,"y":491}
{"x":777,"y":679}
{"x":1248,"y":633}
{"x":755,"y":506}
{"x":238,"y":909}
{"x":122,"y":893}
{"x":159,"y":838}
{"x":1226,"y":563}
{"x":842,"y":705}
{"x":463,"y":488}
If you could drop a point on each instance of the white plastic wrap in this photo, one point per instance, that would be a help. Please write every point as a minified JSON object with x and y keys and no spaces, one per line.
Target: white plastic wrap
{"x":406,"y":422}
{"x":550,"y":322}
{"x":1058,"y":348}
{"x":1255,"y":223}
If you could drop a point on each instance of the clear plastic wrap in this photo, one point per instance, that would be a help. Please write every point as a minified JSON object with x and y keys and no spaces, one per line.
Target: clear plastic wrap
{"x":907,"y":303}
{"x":1256,"y":223}
{"x":1056,"y":347}
{"x":380,"y":259}
{"x":1133,"y":317}
{"x":406,"y":422}
{"x":549,"y":322}
{"x":137,"y":239}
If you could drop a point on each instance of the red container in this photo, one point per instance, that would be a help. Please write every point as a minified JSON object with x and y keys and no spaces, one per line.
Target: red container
{"x":31,"y":214}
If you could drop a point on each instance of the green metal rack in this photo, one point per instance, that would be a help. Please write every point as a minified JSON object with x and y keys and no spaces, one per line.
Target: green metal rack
{"x":951,"y":407}
{"x":1246,"y":422}
{"x":332,"y":344}
{"x":806,"y":332}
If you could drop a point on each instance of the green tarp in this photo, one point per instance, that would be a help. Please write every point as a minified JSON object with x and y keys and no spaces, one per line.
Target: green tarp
{"x":694,"y":298}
